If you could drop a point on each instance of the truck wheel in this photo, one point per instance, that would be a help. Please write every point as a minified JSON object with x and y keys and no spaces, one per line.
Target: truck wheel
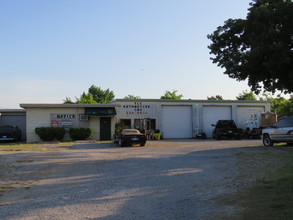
{"x":121,"y":144}
{"x":267,"y":142}
{"x":238,"y":137}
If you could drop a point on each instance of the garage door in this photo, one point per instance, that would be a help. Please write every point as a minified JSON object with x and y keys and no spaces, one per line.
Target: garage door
{"x":176,"y":121}
{"x":211,"y":114}
{"x":244,"y":114}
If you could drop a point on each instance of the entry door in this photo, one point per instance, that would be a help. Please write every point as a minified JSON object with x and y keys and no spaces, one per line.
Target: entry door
{"x":105,"y":128}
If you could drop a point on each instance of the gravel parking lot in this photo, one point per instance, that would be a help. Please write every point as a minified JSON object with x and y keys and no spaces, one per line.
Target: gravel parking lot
{"x":168,"y":179}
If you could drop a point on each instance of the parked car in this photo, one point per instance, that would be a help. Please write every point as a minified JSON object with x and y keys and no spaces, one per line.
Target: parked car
{"x":130,"y":137}
{"x":10,"y":133}
{"x":281,"y":131}
{"x":226,"y":128}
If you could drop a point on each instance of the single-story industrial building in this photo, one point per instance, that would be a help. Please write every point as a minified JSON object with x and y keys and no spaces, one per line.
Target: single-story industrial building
{"x":15,"y":117}
{"x":172,"y":118}
{"x":185,"y":118}
{"x":100,"y":117}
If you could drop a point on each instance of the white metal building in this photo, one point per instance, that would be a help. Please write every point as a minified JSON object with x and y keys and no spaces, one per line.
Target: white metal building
{"x":100,"y":117}
{"x":185,"y":118}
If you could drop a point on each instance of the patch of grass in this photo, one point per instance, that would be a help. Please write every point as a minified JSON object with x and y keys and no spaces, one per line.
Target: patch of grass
{"x":21,"y":147}
{"x":33,"y":147}
{"x":43,"y":146}
{"x":270,"y":197}
{"x":5,"y":186}
{"x":275,"y":145}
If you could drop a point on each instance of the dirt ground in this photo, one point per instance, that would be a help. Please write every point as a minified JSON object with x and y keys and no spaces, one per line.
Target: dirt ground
{"x":167,"y":179}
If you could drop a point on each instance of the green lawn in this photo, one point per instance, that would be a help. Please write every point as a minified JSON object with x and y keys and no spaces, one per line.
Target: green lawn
{"x":270,"y":197}
{"x":34,"y":147}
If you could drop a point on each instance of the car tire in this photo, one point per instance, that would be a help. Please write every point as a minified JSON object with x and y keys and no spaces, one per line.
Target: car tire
{"x":121,"y":144}
{"x":218,"y":136}
{"x":142,"y":144}
{"x":267,"y":141}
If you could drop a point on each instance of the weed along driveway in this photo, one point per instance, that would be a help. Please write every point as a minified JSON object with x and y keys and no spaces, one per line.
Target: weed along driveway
{"x":176,"y":179}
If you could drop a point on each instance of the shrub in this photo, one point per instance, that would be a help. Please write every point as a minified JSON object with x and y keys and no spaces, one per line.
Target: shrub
{"x":59,"y":133}
{"x":50,"y":133}
{"x":81,"y":133}
{"x":45,"y":133}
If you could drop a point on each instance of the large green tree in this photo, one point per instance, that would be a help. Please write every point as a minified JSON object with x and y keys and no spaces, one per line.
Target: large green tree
{"x":258,"y":49}
{"x":245,"y":95}
{"x":101,"y":96}
{"x":86,"y":98}
{"x":171,"y":95}
{"x":95,"y":95}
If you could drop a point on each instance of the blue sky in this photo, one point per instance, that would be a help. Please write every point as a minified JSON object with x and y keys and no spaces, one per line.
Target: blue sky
{"x":52,"y":49}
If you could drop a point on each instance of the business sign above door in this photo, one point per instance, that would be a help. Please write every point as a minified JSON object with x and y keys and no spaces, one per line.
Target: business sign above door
{"x":137,"y":110}
{"x":63,"y":120}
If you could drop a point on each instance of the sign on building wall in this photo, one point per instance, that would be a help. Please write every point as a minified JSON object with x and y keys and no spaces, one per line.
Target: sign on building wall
{"x":63,"y":120}
{"x":137,"y":110}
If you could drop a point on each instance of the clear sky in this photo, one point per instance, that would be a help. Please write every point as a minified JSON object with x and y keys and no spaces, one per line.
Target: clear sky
{"x":53,"y":49}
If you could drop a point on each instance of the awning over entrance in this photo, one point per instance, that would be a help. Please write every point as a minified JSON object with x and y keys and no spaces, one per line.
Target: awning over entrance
{"x":100,"y":111}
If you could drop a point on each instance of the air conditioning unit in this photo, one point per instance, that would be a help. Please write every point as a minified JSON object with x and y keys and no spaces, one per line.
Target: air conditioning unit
{"x":83,"y":117}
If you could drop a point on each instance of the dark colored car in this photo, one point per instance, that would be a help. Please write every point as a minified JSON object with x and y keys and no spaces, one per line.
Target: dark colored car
{"x":226,"y":128}
{"x":10,"y":133}
{"x":130,"y":137}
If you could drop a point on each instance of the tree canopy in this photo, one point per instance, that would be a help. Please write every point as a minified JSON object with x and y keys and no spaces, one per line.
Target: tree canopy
{"x":280,"y":105}
{"x":101,"y":96}
{"x":86,"y":98}
{"x":132,"y":97}
{"x":95,"y":95}
{"x":216,"y":97}
{"x":245,"y":95}
{"x":258,"y":49}
{"x":171,"y":95}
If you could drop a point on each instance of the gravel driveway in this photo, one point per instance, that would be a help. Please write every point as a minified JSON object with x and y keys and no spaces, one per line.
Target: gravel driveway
{"x":168,"y":179}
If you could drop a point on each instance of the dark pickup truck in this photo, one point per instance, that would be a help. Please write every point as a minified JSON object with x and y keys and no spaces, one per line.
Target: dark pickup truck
{"x":10,"y":133}
{"x":226,"y":128}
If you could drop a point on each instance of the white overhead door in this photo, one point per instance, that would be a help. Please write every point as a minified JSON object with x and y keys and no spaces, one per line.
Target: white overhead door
{"x":245,"y":113}
{"x":176,"y":121}
{"x":211,"y":114}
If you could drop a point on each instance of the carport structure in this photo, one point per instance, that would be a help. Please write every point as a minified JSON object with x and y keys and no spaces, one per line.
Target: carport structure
{"x":14,"y":117}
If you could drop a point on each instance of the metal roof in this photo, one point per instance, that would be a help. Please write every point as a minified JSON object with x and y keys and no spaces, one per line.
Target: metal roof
{"x":189,"y":100}
{"x":12,"y":110}
{"x":50,"y":105}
